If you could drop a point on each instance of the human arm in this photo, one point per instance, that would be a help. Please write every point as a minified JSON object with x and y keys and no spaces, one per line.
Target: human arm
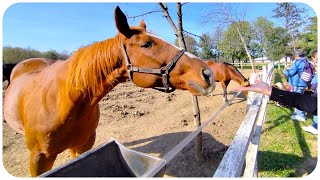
{"x":300,"y":101}
{"x":289,"y":72}
{"x":304,"y":102}
{"x":258,"y":86}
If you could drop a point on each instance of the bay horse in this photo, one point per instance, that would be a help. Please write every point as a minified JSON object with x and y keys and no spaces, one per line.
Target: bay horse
{"x":224,"y":72}
{"x":55,"y":104}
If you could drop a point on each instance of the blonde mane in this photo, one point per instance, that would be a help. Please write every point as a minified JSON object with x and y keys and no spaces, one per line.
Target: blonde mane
{"x":91,"y":66}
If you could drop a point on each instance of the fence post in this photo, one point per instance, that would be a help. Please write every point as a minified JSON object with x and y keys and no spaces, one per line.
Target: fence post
{"x":241,"y":65}
{"x":264,"y":73}
{"x":197,"y":123}
{"x":251,"y":95}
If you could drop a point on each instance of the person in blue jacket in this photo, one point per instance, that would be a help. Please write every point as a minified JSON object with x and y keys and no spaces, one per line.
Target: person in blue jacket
{"x":314,"y":86}
{"x":293,"y":74}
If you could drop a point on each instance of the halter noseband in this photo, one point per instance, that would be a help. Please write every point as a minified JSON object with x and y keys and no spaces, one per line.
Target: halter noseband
{"x":163,"y":71}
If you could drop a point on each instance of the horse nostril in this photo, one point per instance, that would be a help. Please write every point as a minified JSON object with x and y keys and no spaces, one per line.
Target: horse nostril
{"x":207,"y":75}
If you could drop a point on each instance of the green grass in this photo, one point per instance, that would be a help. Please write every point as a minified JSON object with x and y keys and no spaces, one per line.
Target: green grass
{"x":285,"y":150}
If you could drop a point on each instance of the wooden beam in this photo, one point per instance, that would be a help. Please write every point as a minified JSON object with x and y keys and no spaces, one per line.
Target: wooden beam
{"x":232,"y":163}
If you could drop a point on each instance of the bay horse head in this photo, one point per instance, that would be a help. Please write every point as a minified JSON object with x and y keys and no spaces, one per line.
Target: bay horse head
{"x":151,"y":62}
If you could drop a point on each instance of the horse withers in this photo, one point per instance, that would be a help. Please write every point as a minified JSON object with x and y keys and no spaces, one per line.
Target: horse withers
{"x":55,"y":105}
{"x":224,"y":73}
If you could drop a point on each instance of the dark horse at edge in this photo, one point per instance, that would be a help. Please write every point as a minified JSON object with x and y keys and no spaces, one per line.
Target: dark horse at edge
{"x":7,"y":69}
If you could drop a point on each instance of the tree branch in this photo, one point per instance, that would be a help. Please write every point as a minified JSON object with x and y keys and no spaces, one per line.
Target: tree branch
{"x":182,"y":43}
{"x":150,"y":12}
{"x":166,"y":14}
{"x":193,"y":34}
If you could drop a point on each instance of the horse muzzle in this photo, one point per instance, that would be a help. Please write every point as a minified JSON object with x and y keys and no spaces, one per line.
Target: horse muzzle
{"x":202,"y":91}
{"x":207,"y":77}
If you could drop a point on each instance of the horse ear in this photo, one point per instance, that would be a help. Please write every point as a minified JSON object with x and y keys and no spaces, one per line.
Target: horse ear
{"x":121,"y":22}
{"x":143,"y":24}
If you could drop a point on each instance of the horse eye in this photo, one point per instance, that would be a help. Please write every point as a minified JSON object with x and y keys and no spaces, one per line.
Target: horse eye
{"x":146,"y":44}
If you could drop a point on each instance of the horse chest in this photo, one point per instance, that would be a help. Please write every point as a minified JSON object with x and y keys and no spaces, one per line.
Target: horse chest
{"x":78,"y":127}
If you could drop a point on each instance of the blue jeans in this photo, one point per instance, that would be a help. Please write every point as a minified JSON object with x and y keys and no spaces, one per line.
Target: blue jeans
{"x":315,"y":122}
{"x":297,"y":111}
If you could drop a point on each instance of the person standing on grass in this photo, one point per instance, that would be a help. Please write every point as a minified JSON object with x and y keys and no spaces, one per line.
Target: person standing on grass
{"x":293,"y":74}
{"x":314,"y":86}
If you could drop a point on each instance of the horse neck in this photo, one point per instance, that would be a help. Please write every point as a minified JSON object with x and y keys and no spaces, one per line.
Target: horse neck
{"x":235,"y":74}
{"x":95,"y":70}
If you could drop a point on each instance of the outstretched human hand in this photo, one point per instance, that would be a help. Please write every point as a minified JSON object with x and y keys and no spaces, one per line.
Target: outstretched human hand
{"x":258,"y":86}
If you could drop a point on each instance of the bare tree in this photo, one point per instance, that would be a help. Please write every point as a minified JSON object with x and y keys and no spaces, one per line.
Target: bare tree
{"x":164,"y":10}
{"x":179,"y":33}
{"x":224,"y":15}
{"x":177,"y":30}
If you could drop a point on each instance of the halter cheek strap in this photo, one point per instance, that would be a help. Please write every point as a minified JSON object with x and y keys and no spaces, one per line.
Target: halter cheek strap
{"x":163,"y":71}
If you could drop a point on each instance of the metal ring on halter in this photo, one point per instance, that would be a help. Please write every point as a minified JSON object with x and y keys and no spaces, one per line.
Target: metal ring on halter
{"x":164,"y":71}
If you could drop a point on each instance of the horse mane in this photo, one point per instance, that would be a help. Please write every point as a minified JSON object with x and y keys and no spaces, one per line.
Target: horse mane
{"x":91,"y":65}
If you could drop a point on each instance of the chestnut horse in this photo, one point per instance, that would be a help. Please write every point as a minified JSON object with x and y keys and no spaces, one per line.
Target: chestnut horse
{"x":55,"y":104}
{"x":224,"y":73}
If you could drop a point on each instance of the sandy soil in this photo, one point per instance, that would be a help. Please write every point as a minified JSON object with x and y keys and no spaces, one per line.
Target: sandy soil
{"x":151,"y":122}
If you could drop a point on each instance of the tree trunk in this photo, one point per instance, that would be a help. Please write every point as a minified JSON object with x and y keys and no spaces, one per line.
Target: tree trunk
{"x":179,"y":33}
{"x":246,"y":48}
{"x":181,"y":41}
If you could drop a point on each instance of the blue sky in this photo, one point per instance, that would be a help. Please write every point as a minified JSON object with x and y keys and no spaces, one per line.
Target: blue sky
{"x":68,"y":26}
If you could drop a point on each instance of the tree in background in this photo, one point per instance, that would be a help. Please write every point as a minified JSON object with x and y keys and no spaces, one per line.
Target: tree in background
{"x":256,"y":50}
{"x":293,"y":19}
{"x":54,"y":55}
{"x":191,"y":44}
{"x":231,"y":45}
{"x":17,"y":54}
{"x":207,"y":47}
{"x":261,"y":28}
{"x":309,"y":40}
{"x":226,"y":14}
{"x":276,"y":44}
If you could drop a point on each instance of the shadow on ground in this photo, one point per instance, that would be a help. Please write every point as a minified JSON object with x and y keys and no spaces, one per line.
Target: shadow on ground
{"x":213,"y":152}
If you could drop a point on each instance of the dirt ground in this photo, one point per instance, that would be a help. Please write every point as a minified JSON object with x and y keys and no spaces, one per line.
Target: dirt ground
{"x":151,"y":122}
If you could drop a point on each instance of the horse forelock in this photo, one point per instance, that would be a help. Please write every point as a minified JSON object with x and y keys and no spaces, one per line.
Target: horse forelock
{"x":92,"y":65}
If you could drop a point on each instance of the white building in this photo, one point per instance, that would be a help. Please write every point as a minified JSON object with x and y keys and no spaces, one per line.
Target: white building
{"x":286,"y":59}
{"x":263,"y":59}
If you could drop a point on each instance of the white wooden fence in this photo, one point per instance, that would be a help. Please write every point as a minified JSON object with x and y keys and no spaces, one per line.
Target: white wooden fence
{"x":241,"y":65}
{"x":244,"y":147}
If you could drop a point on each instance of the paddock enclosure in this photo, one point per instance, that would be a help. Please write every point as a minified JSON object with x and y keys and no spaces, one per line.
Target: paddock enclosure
{"x":151,"y":122}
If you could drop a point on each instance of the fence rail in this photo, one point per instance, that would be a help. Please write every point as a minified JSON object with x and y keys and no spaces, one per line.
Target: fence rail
{"x":244,"y":146}
{"x":242,"y":65}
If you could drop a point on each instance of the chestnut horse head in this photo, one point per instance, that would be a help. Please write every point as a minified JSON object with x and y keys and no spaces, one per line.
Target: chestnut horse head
{"x":55,"y":104}
{"x":153,"y":62}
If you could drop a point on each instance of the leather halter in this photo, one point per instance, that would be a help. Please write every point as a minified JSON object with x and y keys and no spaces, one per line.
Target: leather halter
{"x":163,"y":71}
